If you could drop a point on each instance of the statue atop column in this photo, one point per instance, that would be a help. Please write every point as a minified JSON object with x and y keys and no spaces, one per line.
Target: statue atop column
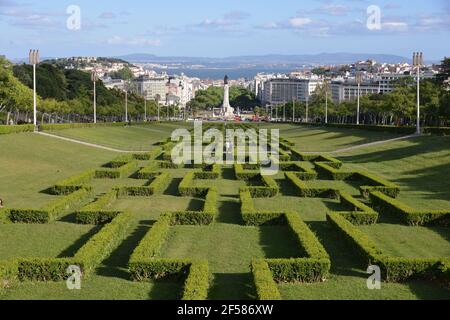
{"x":227,"y":110}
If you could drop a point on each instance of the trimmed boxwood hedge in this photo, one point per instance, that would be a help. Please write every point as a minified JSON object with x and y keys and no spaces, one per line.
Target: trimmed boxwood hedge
{"x":309,"y":192}
{"x":394,"y":269}
{"x":212,"y":172}
{"x":16,"y":129}
{"x":266,"y":287}
{"x":390,"y":206}
{"x":204,"y":217}
{"x":360,"y":213}
{"x":197,"y":282}
{"x":252,"y":217}
{"x":187,"y":188}
{"x":302,"y":171}
{"x":157,"y":185}
{"x":65,"y":126}
{"x":49,"y":212}
{"x":245,"y":175}
{"x":88,"y":257}
{"x":144,"y":263}
{"x":117,"y":173}
{"x":73,"y":184}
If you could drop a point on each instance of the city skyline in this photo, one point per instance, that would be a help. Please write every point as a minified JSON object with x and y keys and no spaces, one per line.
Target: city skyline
{"x":232,"y":28}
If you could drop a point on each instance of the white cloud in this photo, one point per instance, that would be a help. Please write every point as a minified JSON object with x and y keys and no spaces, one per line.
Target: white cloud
{"x":299,"y":22}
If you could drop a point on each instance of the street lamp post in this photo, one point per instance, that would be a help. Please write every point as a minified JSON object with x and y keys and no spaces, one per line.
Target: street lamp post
{"x":307,"y":108}
{"x":126,"y":102}
{"x":94,"y":79}
{"x":293,"y":111}
{"x":359,"y":81}
{"x":145,"y":106}
{"x":34,"y":60}
{"x":326,"y":102}
{"x":417,"y":63}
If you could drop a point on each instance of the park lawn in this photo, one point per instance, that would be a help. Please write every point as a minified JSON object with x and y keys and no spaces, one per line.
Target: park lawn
{"x":46,"y":241}
{"x":314,"y":139}
{"x":98,"y":287}
{"x":420,"y":166}
{"x":228,"y":245}
{"x":30,"y":164}
{"x":131,"y":138}
{"x":410,"y":242}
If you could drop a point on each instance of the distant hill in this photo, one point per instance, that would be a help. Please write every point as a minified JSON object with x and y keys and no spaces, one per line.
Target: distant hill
{"x":274,"y":59}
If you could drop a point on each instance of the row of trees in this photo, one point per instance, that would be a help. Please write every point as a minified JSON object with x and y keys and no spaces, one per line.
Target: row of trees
{"x":396,"y":108}
{"x":66,"y":95}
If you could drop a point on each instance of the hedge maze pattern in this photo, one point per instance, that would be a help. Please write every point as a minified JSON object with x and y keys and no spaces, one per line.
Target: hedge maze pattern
{"x":378,"y":197}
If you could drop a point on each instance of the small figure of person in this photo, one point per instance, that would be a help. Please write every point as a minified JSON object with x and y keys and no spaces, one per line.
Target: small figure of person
{"x":1,"y":203}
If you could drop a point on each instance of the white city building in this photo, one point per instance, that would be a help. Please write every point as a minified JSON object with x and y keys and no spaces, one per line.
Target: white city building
{"x":283,"y":90}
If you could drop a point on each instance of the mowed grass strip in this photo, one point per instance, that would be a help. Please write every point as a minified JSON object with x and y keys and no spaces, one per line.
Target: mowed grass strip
{"x":230,"y":248}
{"x":410,"y":242}
{"x":131,"y":138}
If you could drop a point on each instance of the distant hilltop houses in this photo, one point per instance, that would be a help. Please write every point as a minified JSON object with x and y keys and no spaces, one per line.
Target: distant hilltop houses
{"x":376,"y":78}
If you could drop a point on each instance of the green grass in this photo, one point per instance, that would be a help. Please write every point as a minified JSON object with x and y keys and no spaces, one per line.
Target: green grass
{"x":313,"y":139}
{"x":52,"y":240}
{"x":133,"y":138}
{"x":33,"y":163}
{"x":408,"y":242}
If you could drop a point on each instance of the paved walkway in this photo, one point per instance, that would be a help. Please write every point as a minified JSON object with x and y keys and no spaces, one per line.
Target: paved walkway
{"x":361,"y":146}
{"x":92,"y":145}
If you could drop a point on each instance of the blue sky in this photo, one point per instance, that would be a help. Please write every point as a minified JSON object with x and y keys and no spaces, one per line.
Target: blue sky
{"x":214,"y":28}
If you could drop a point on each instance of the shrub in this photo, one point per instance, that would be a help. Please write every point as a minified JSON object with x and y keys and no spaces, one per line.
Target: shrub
{"x":333,"y":173}
{"x":408,"y":215}
{"x":152,"y":155}
{"x":56,"y":127}
{"x":73,"y":184}
{"x":394,"y":269}
{"x":87,"y":258}
{"x":377,"y":183}
{"x":299,"y":270}
{"x":96,"y":217}
{"x":149,"y":247}
{"x":302,"y":171}
{"x":309,"y":192}
{"x":360,"y":213}
{"x":103,"y":243}
{"x":209,"y":173}
{"x":16,"y":129}
{"x":266,"y":288}
{"x":245,"y":175}
{"x":269,"y":189}
{"x":121,"y":172}
{"x":51,"y":211}
{"x":197,"y":283}
{"x":187,"y":188}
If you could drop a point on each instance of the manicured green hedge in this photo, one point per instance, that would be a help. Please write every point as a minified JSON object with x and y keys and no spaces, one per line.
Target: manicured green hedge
{"x":443,"y":131}
{"x":73,"y":184}
{"x":304,"y":270}
{"x":266,"y":288}
{"x":361,"y":214}
{"x":188,"y":189}
{"x":152,"y":155}
{"x":96,"y":217}
{"x":196,"y":285}
{"x":149,"y":247}
{"x":204,"y":217}
{"x":253,"y":217}
{"x":88,"y":258}
{"x":51,"y":211}
{"x":122,"y":172}
{"x":212,"y":172}
{"x":333,"y":173}
{"x":302,"y":171}
{"x":245,"y":175}
{"x":16,"y":129}
{"x":333,"y":162}
{"x":309,"y":192}
{"x":269,"y":189}
{"x":394,"y":269}
{"x":377,"y":183}
{"x":56,"y":127}
{"x":390,"y":206}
